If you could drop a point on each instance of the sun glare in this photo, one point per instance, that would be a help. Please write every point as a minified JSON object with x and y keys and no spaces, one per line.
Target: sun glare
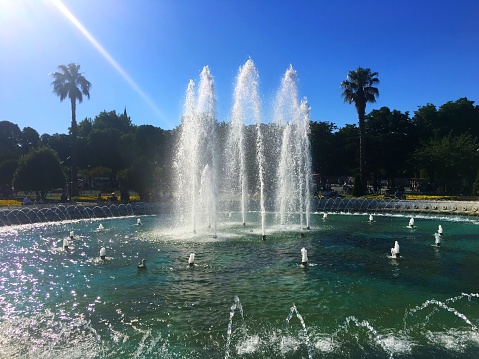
{"x":69,"y":15}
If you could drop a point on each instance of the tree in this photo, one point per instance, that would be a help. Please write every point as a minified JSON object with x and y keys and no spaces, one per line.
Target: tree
{"x":322,"y":150}
{"x":460,"y":116}
{"x":359,"y":88}
{"x":30,"y":139}
{"x":111,"y":120}
{"x":451,"y":161}
{"x":391,"y":142}
{"x":69,"y":82}
{"x":141,"y":178}
{"x":40,"y":171}
{"x":7,"y":170}
{"x":10,"y":140}
{"x":426,"y":122}
{"x":346,"y":154}
{"x":475,"y":187}
{"x":60,"y":143}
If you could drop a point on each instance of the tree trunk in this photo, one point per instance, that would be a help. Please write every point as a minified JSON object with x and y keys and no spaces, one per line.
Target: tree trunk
{"x":74,"y":152}
{"x":362,"y":150}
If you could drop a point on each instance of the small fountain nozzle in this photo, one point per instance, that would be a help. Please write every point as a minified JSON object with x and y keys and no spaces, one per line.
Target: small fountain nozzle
{"x":304,"y":257}
{"x":191,"y":260}
{"x":103,"y":253}
{"x":437,"y":241}
{"x":395,"y":250}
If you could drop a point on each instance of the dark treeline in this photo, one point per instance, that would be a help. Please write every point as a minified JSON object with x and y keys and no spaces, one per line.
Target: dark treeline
{"x":439,"y":146}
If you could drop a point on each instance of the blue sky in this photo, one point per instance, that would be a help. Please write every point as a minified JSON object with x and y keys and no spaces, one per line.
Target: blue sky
{"x":141,"y":54}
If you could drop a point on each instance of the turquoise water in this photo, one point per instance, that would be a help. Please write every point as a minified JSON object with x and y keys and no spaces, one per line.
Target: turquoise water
{"x":244,"y":298}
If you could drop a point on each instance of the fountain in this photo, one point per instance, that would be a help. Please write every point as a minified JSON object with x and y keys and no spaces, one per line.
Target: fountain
{"x":102,"y":253}
{"x":439,"y":230}
{"x":191,"y":260}
{"x":411,"y":223}
{"x":294,"y":169}
{"x":304,"y":256}
{"x":437,"y":239}
{"x":196,"y":157}
{"x":247,"y":298}
{"x":65,"y":245}
{"x":395,"y":250}
{"x":203,"y":187}
{"x":75,"y":304}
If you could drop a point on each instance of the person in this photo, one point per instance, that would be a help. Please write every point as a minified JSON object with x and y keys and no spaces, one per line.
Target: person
{"x":63,"y":199}
{"x":125,"y":197}
{"x":27,"y":201}
{"x":113,"y":197}
{"x":99,"y":199}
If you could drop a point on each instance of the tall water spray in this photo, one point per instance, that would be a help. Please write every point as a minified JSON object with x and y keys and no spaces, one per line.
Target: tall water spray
{"x":196,"y":158}
{"x":284,"y":160}
{"x":294,"y":169}
{"x":245,"y":111}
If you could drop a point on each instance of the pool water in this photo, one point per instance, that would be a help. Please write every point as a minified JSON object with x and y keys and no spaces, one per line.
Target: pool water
{"x":244,"y":297}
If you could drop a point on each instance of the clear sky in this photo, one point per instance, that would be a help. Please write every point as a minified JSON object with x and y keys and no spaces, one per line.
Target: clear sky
{"x":141,"y":54}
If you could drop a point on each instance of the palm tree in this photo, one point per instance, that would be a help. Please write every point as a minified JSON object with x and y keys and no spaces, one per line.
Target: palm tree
{"x":359,"y":88}
{"x":69,"y":82}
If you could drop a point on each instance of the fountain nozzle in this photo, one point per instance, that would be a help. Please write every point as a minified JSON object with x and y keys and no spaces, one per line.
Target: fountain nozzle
{"x":304,"y":257}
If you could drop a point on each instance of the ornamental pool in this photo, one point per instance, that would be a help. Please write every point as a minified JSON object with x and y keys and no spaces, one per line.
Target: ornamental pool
{"x":245,"y":297}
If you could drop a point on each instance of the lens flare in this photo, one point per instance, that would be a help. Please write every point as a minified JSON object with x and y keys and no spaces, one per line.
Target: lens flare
{"x":69,"y":15}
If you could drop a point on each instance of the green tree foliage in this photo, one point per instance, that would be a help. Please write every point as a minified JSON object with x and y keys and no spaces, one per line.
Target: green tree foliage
{"x":397,"y":147}
{"x":345,"y":155}
{"x":85,"y":127}
{"x":60,"y":143}
{"x":39,"y":170}
{"x":391,"y":142}
{"x":151,"y":142}
{"x":143,"y":178}
{"x":425,"y":120}
{"x":10,"y":140}
{"x":7,"y":170}
{"x":111,"y":120}
{"x":70,"y":83}
{"x":451,"y":161}
{"x":105,"y":149}
{"x":358,"y":88}
{"x":358,"y":187}
{"x":475,"y":188}
{"x":29,"y":139}
{"x":456,"y":117}
{"x":322,"y":148}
